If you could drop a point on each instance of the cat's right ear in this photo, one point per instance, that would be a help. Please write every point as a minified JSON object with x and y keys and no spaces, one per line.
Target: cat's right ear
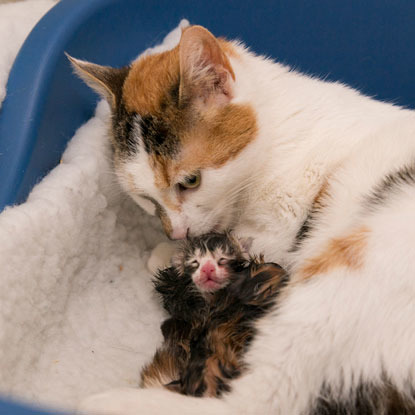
{"x":107,"y":81}
{"x":206,"y":74}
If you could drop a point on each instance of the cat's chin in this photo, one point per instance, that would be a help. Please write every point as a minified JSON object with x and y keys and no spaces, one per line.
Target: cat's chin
{"x":203,"y":231}
{"x":220,"y":226}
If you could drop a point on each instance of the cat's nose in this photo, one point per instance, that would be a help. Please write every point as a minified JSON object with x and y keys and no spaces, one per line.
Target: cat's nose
{"x":208,"y":269}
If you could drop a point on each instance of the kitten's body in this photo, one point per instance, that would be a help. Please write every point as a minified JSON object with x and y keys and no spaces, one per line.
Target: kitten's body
{"x":208,"y":332}
{"x":344,"y":164}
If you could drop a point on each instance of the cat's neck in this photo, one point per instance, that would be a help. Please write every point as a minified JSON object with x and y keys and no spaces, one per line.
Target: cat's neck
{"x":303,"y":139}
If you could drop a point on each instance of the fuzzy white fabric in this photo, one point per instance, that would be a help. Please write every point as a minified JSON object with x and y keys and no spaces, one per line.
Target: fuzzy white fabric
{"x":77,"y":313}
{"x":16,"y":20}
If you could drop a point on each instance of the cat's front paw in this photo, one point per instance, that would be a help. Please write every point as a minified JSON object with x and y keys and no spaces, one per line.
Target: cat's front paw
{"x":124,"y":401}
{"x":150,"y":402}
{"x":160,"y":256}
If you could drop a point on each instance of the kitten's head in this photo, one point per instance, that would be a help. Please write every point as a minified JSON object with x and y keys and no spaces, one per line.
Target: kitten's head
{"x":210,"y":260}
{"x":178,"y":132}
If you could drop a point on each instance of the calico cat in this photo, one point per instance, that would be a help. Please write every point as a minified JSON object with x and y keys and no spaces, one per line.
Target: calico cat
{"x":214,"y":295}
{"x":210,"y":136}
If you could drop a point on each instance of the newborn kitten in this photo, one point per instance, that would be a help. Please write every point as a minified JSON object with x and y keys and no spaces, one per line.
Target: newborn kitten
{"x":214,"y":294}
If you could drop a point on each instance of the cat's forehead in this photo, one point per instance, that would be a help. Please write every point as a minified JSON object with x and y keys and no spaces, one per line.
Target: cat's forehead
{"x":148,"y":80}
{"x":212,"y":245}
{"x":202,"y":256}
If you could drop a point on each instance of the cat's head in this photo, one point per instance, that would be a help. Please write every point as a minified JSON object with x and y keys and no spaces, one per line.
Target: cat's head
{"x":211,"y":259}
{"x":178,"y":132}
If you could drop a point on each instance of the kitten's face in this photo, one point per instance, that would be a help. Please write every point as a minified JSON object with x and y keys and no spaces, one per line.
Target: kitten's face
{"x":210,"y":260}
{"x":177,"y":133}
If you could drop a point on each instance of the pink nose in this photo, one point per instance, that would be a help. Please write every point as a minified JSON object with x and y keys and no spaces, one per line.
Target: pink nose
{"x":208,"y":270}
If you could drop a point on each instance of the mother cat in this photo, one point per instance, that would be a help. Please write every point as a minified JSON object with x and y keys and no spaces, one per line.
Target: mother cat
{"x":210,"y":136}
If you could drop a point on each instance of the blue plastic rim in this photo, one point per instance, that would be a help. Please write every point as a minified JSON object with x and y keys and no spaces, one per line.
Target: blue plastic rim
{"x":367,"y":44}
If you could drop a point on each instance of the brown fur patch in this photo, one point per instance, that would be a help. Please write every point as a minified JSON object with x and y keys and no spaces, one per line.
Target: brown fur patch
{"x":227,"y":346}
{"x":162,"y":370}
{"x":341,"y":252}
{"x":149,"y":79}
{"x":215,"y":140}
{"x":220,"y":136}
{"x":162,"y":171}
{"x":165,"y":222}
{"x":228,"y":48}
{"x":322,"y":194}
{"x":271,"y":286}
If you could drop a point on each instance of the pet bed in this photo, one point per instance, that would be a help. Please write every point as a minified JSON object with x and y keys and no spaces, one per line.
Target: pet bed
{"x":77,"y":315}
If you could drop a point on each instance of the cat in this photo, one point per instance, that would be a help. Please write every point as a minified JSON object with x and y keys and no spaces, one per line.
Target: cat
{"x":211,"y":136}
{"x":214,"y":294}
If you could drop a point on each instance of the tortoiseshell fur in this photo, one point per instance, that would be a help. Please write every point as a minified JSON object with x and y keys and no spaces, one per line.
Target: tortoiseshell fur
{"x":207,"y":334}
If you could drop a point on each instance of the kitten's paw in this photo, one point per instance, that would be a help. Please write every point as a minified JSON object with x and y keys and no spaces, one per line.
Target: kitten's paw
{"x":149,"y":402}
{"x":160,"y":256}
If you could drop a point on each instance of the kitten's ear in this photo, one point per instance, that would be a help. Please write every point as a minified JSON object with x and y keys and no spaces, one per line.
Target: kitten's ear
{"x":246,"y":244}
{"x":177,"y":259}
{"x":205,"y":71}
{"x":107,"y":81}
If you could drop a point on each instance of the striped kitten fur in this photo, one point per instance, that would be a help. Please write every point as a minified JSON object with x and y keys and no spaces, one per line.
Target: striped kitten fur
{"x":208,"y":332}
{"x":210,"y":136}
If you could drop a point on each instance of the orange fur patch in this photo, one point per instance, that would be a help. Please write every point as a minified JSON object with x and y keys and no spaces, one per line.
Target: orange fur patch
{"x":228,"y":48}
{"x":161,"y":371}
{"x":151,"y":76}
{"x":341,"y":252}
{"x":220,"y":136}
{"x":149,"y":79}
{"x":165,"y":222}
{"x":318,"y":202}
{"x":216,"y":139}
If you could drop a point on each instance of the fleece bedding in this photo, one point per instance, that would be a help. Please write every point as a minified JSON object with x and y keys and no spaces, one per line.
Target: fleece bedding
{"x":77,"y":310}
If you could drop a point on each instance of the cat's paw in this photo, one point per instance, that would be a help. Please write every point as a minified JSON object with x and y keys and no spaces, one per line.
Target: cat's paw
{"x":124,"y":401}
{"x":160,"y":256}
{"x":149,"y":402}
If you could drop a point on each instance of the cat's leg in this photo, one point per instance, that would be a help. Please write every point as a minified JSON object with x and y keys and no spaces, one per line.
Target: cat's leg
{"x":161,"y":370}
{"x":211,"y":377}
{"x":160,"y":256}
{"x":151,"y":402}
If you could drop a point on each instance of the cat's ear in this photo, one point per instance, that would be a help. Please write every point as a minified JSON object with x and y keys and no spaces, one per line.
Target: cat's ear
{"x":205,"y":71}
{"x":246,"y":244}
{"x":107,"y":81}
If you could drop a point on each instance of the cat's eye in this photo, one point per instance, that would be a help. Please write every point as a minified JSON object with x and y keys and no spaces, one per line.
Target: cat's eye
{"x":223,"y":261}
{"x":194,"y":264}
{"x":190,"y":182}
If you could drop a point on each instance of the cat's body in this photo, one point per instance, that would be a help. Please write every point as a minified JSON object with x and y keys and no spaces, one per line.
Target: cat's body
{"x":208,"y":332}
{"x":298,"y":151}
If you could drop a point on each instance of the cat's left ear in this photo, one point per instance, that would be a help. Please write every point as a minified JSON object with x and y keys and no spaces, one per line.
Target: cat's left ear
{"x":107,"y":81}
{"x":246,"y":244}
{"x":205,"y":71}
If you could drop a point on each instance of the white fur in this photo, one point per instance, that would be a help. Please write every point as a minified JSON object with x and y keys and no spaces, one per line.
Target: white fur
{"x":339,"y":327}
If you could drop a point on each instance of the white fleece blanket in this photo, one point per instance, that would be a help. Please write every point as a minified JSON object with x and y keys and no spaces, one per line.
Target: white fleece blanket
{"x":77,"y":312}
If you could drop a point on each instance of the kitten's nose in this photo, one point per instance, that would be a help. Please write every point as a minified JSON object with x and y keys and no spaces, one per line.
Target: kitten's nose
{"x":208,"y":269}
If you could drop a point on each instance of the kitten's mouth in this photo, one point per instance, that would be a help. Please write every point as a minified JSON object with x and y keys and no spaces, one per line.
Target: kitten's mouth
{"x":211,"y":283}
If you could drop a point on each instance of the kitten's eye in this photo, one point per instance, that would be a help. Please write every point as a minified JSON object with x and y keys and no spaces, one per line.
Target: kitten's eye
{"x":223,"y":261}
{"x":194,"y":264}
{"x":190,"y":182}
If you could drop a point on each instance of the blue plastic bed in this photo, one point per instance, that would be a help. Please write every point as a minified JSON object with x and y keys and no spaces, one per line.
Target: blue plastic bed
{"x":368,"y":44}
